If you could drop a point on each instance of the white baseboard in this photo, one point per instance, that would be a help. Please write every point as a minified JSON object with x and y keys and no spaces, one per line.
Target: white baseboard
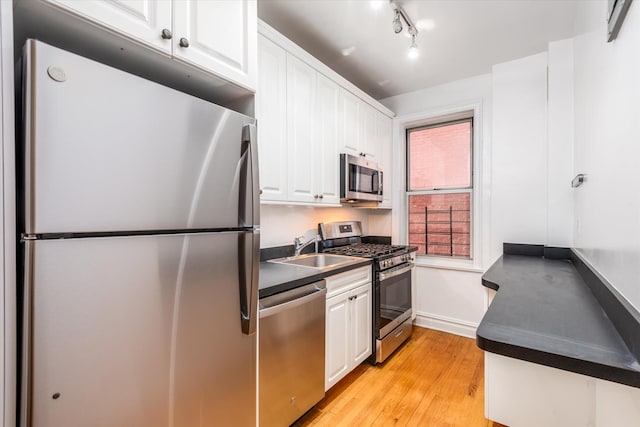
{"x":446,"y":324}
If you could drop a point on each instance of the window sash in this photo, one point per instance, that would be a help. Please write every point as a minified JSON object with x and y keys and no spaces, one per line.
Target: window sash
{"x":449,"y":190}
{"x":431,"y":126}
{"x":471,"y":224}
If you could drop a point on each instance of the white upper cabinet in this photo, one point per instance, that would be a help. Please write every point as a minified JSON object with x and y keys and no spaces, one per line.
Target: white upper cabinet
{"x":142,"y":20}
{"x":358,"y":134}
{"x":384,"y":130}
{"x":301,"y":88}
{"x":307,"y":116}
{"x":219,"y":36}
{"x":271,"y":111}
{"x":327,"y":161}
{"x":369,"y":142}
{"x":298,"y":120}
{"x":350,"y":123}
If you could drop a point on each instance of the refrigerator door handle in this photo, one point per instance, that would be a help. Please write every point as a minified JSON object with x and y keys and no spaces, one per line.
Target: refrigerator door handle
{"x":249,"y":201}
{"x":249,"y":248}
{"x":25,"y":398}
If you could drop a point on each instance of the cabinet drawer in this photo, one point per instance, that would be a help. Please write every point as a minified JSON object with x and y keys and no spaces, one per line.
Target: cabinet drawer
{"x":348,"y":280}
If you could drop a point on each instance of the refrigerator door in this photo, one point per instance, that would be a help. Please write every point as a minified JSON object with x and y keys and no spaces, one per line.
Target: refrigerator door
{"x":108,"y":151}
{"x":140,"y":331}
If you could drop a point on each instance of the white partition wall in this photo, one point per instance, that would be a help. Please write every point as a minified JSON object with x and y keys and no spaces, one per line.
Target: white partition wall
{"x":607,"y":151}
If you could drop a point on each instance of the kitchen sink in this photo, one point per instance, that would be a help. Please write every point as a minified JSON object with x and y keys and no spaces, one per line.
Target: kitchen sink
{"x":319,"y":261}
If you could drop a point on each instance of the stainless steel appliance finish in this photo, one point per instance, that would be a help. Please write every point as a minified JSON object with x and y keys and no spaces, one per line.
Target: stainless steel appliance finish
{"x":141,"y":251}
{"x":393,"y":309}
{"x":392,"y":266}
{"x":340,"y":230}
{"x":360,"y":179}
{"x":386,"y":346}
{"x":292,"y":347}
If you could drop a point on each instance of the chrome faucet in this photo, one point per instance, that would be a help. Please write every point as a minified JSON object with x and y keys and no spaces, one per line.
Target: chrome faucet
{"x":298,"y":246}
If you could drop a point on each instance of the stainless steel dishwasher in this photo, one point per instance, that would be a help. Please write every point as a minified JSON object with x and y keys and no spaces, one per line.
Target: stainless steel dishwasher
{"x":291,"y":353}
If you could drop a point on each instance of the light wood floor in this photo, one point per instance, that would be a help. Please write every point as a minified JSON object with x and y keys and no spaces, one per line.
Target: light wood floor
{"x":435,"y":379}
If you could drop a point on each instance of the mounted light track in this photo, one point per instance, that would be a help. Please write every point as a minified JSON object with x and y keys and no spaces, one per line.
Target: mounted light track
{"x":401,"y":15}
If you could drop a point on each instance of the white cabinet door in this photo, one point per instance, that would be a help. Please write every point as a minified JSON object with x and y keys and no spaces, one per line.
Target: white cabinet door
{"x":272,"y":121}
{"x":141,"y":20}
{"x":350,"y":123}
{"x":218,"y":36}
{"x":301,"y":85}
{"x":384,"y":130}
{"x":337,"y":339}
{"x":361,"y":324}
{"x":369,"y":142}
{"x":326,"y":160}
{"x":348,"y":331}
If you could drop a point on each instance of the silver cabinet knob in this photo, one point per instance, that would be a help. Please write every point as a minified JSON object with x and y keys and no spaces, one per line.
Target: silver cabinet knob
{"x":166,"y":34}
{"x":184,"y":42}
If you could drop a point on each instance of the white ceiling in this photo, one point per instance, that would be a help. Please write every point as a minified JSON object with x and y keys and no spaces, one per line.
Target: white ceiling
{"x":467,"y":36}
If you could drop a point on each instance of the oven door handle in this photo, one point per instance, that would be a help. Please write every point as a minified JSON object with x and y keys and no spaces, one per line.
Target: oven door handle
{"x":390,"y":274}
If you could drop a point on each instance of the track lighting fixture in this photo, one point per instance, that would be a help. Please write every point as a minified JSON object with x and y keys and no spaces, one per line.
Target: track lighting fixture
{"x":397,"y":24}
{"x":401,"y":15}
{"x":413,"y":49}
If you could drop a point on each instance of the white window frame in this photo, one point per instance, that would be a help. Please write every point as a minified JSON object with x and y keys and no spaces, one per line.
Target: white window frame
{"x":400,"y":221}
{"x":450,"y":190}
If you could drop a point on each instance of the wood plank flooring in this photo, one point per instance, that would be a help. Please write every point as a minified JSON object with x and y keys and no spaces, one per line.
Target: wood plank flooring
{"x":435,"y":379}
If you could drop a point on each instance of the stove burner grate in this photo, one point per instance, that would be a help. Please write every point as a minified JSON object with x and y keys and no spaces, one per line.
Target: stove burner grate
{"x":369,"y":250}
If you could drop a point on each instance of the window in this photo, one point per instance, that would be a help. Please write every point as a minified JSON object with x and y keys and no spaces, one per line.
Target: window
{"x":439,"y":188}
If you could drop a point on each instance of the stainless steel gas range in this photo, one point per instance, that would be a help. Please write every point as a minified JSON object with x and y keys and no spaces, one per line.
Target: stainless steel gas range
{"x":392,"y":265}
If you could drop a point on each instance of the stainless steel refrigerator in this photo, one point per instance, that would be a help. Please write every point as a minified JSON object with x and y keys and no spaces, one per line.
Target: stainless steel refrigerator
{"x":141,"y":251}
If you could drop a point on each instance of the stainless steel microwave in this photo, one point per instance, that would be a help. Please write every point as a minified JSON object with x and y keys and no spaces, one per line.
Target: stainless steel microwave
{"x":360,"y":179}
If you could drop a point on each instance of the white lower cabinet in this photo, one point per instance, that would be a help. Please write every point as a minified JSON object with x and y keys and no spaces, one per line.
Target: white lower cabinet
{"x":524,"y":394}
{"x":348,"y":323}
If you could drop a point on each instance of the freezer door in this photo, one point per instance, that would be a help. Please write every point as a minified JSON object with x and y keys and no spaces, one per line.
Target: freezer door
{"x":139,"y":331}
{"x":108,"y":151}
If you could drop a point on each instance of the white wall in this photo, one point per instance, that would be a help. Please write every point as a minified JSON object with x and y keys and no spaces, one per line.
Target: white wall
{"x":452,"y":300}
{"x":526,"y":168}
{"x":560,"y":144}
{"x":519,"y":163}
{"x":607,"y":150}
{"x":280,"y":224}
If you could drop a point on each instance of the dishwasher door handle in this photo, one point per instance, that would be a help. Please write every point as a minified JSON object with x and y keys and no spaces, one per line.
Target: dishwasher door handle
{"x":293,"y":298}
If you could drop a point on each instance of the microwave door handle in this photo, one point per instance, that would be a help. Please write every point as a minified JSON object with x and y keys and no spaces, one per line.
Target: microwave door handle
{"x":380,"y":182}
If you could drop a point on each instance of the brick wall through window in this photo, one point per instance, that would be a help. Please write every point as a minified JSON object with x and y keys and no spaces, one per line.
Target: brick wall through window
{"x":439,"y":161}
{"x":435,"y":220}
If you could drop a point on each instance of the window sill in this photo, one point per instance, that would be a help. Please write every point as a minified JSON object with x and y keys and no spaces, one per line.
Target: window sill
{"x":466,"y":265}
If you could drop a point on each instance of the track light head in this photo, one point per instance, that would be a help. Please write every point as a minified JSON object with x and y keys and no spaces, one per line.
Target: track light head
{"x":397,"y":24}
{"x":413,"y":49}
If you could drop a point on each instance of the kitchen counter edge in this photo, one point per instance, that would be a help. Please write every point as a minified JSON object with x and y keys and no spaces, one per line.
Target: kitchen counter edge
{"x":276,"y":278}
{"x":531,"y":340}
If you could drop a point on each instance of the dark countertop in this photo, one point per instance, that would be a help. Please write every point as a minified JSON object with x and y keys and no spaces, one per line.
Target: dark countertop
{"x":545,"y":313}
{"x":276,"y":278}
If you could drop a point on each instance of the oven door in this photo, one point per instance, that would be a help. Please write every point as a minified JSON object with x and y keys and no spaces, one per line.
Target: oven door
{"x":393,"y":296}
